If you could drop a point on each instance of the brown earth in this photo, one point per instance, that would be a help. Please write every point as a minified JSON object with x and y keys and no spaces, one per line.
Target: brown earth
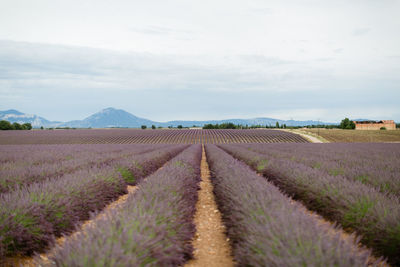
{"x":345,"y":136}
{"x":211,"y":246}
{"x":308,"y":136}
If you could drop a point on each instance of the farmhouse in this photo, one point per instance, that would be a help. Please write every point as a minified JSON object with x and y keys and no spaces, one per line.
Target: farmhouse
{"x":375,"y":125}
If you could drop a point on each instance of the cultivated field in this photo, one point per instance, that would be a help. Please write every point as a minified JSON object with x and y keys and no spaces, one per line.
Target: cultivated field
{"x":344,"y":136}
{"x":280,"y":204}
{"x":134,"y":136}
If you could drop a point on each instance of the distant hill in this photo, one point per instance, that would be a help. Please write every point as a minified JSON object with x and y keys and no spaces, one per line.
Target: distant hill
{"x":13,"y":115}
{"x":111,"y":117}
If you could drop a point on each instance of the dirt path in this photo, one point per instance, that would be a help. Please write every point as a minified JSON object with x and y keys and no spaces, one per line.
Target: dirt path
{"x":307,"y":136}
{"x":29,"y":261}
{"x":211,"y":246}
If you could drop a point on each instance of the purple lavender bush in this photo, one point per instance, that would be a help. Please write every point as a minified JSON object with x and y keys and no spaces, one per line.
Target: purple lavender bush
{"x":374,"y":164}
{"x":265,"y":228}
{"x":135,"y":169}
{"x":374,"y":215}
{"x":153,"y":227}
{"x":31,"y":215}
{"x":24,"y":165}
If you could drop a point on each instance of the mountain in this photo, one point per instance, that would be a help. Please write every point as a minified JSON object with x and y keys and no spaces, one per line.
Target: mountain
{"x":111,"y":117}
{"x":13,"y":115}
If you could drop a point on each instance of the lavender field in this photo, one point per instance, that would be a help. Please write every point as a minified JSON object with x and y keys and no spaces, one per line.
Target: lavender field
{"x":46,"y":202}
{"x":159,"y":136}
{"x":272,"y":199}
{"x":353,"y":185}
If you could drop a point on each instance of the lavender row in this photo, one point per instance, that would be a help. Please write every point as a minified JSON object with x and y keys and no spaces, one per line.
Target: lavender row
{"x":377,"y":165}
{"x":372,"y":214}
{"x":31,"y":215}
{"x":153,"y":227}
{"x":40,"y":154}
{"x":61,"y":160}
{"x":134,"y":169}
{"x":266,"y":229}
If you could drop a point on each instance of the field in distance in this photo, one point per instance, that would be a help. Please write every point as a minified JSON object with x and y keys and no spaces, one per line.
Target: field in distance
{"x":345,"y":136}
{"x":135,"y":136}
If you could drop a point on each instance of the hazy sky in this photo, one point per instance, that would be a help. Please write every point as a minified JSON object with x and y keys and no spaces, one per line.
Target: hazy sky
{"x":165,"y":60}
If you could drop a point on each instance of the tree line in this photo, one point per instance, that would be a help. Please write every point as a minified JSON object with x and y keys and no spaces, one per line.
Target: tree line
{"x":6,"y":125}
{"x":230,"y":125}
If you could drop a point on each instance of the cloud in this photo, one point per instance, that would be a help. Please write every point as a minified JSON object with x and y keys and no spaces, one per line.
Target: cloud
{"x":49,"y":66}
{"x":361,"y":31}
{"x":65,"y":83}
{"x":158,"y":30}
{"x":338,"y":50}
{"x":261,"y":11}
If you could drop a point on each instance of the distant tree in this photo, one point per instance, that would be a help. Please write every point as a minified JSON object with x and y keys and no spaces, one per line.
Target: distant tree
{"x":17,"y":126}
{"x":180,"y":126}
{"x":144,"y":127}
{"x":228,"y":125}
{"x":383,"y":128}
{"x":208,"y":126}
{"x":277,"y":124}
{"x":5,"y":125}
{"x":27,"y":126}
{"x":347,"y":124}
{"x":41,"y":128}
{"x":153,"y":127}
{"x":284,"y":126}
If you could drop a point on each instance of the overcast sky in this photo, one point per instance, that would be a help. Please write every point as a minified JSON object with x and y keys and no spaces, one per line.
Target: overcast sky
{"x":176,"y":59}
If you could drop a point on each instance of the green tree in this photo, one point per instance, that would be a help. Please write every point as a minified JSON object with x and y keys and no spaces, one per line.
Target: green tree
{"x":347,"y":124}
{"x":153,"y":127}
{"x":5,"y":125}
{"x":180,"y":127}
{"x":17,"y":126}
{"x":277,"y":125}
{"x":144,"y":127}
{"x":208,"y":126}
{"x":27,"y":126}
{"x":228,"y":125}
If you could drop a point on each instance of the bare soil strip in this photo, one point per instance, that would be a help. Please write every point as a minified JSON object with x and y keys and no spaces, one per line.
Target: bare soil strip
{"x":211,"y":246}
{"x":307,"y":136}
{"x":29,"y":261}
{"x":312,"y":136}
